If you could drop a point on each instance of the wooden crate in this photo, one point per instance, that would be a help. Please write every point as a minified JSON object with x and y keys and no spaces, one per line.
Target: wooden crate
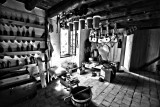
{"x":107,"y":73}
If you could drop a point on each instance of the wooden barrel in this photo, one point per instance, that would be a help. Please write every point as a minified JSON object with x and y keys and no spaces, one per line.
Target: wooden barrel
{"x":96,"y":20}
{"x":82,"y":23}
{"x":70,"y":26}
{"x":76,"y":24}
{"x":82,"y":99}
{"x":89,"y":22}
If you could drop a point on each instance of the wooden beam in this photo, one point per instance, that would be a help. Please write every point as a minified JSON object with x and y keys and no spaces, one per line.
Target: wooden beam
{"x":68,"y":5}
{"x":61,"y":6}
{"x":141,"y":9}
{"x":142,"y":24}
{"x":119,"y":8}
{"x":144,"y":20}
{"x":141,"y":19}
{"x":123,"y":50}
{"x":148,"y":24}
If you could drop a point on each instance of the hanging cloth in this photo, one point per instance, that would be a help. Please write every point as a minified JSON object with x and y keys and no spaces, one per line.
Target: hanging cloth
{"x":41,"y":68}
{"x":49,"y":50}
{"x":51,"y":29}
{"x":58,"y":18}
{"x":50,"y":26}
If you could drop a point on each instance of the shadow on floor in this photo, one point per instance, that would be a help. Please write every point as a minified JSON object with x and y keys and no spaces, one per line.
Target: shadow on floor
{"x":147,"y":74}
{"x":131,"y":80}
{"x":92,"y":104}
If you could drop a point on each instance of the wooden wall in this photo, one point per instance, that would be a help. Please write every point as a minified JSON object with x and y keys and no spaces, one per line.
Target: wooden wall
{"x":146,"y":47}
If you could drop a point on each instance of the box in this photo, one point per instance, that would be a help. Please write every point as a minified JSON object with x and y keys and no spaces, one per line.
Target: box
{"x":107,"y":74}
{"x":80,"y":71}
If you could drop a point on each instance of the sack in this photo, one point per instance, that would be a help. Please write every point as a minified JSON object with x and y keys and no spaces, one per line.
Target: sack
{"x":34,"y":70}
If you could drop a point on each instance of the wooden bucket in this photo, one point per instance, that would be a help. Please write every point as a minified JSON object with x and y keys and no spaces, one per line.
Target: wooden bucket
{"x":82,"y":99}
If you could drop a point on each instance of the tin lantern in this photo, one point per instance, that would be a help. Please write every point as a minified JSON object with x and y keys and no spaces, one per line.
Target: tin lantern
{"x":89,"y":22}
{"x":96,"y":20}
{"x":82,"y":23}
{"x":76,"y":24}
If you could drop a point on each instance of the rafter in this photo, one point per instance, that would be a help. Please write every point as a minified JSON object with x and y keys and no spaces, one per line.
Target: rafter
{"x":61,"y":6}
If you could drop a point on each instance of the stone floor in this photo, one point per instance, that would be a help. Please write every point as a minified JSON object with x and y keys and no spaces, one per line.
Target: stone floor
{"x":140,"y":89}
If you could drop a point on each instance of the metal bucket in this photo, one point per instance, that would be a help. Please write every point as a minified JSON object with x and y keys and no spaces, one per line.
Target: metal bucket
{"x":82,"y":99}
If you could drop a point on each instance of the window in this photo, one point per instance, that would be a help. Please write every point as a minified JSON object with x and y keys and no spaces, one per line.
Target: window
{"x":73,"y":39}
{"x":67,"y":43}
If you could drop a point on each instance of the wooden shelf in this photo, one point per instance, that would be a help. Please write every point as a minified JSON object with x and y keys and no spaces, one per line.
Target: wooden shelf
{"x":19,"y":53}
{"x":5,"y":37}
{"x":13,"y":74}
{"x":20,"y":11}
{"x":15,"y":68}
{"x":21,"y":23}
{"x":17,"y":80}
{"x":19,"y":75}
{"x":14,"y":79}
{"x":17,"y":83}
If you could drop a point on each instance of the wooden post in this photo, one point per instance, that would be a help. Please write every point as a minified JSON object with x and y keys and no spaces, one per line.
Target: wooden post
{"x":42,"y":72}
{"x":46,"y":36}
{"x":123,"y":50}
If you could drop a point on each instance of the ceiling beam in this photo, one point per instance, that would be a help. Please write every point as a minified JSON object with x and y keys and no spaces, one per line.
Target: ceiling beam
{"x":118,"y":7}
{"x":61,"y":6}
{"x":130,"y":8}
{"x":147,"y":24}
{"x":141,"y":21}
{"x":140,"y":12}
{"x":69,"y":5}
